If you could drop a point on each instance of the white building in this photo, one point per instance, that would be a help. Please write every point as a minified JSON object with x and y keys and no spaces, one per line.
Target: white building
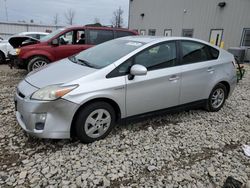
{"x":225,"y":23}
{"x":8,"y":29}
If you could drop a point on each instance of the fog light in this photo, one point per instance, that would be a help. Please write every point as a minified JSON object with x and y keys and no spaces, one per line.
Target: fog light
{"x":39,"y":126}
{"x":40,"y":121}
{"x":41,"y":118}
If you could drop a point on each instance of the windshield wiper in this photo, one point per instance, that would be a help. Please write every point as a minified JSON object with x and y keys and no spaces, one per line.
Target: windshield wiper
{"x":83,"y":62}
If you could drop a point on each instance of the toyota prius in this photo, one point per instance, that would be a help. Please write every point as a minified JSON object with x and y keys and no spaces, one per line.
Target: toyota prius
{"x":87,"y":94}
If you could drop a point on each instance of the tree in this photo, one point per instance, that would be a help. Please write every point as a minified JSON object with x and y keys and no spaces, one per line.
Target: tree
{"x":70,"y":16}
{"x":97,"y":20}
{"x":117,"y":20}
{"x":56,"y":19}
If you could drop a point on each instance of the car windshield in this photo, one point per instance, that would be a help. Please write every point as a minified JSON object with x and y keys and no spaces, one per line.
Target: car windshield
{"x":106,"y":53}
{"x":51,"y":35}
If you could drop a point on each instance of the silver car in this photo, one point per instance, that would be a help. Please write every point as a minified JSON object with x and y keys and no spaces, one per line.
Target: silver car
{"x":87,"y":94}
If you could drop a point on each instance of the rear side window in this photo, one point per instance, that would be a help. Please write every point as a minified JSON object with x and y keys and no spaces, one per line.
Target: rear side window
{"x":194,"y":52}
{"x":100,"y":36}
{"x":214,"y":52}
{"x":123,"y":34}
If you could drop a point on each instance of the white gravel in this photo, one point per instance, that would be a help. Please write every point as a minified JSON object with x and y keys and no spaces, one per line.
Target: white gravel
{"x":187,"y":149}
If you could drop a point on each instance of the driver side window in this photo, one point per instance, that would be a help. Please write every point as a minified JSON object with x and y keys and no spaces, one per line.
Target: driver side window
{"x":158,"y":57}
{"x":66,"y":39}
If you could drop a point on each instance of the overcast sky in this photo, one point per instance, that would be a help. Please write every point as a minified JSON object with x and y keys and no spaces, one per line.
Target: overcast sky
{"x":43,"y":11}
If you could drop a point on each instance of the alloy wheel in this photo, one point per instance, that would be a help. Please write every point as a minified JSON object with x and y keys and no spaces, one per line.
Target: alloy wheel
{"x":97,"y":123}
{"x":218,"y":98}
{"x":38,"y":64}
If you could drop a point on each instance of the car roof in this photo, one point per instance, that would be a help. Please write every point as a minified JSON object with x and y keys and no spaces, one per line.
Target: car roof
{"x":97,"y":27}
{"x":155,"y":39}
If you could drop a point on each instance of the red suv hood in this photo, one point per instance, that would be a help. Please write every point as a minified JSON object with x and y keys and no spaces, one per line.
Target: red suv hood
{"x":19,"y":41}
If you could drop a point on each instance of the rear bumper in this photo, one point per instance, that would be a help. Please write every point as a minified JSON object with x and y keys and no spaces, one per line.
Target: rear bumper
{"x":233,"y":83}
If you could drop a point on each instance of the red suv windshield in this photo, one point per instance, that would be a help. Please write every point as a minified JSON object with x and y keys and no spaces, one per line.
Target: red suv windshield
{"x":51,"y":35}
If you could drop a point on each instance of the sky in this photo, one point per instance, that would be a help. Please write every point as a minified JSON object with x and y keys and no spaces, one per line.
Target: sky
{"x":44,"y":11}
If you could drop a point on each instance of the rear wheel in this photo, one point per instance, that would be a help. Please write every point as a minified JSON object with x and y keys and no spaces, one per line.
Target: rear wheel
{"x":95,"y":122}
{"x":2,"y":58}
{"x":37,"y":62}
{"x":217,"y":98}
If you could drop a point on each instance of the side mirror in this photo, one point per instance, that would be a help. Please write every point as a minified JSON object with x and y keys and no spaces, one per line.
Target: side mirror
{"x":55,"y":42}
{"x":137,"y":70}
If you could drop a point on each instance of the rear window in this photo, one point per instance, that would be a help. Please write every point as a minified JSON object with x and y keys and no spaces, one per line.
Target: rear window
{"x":100,"y":36}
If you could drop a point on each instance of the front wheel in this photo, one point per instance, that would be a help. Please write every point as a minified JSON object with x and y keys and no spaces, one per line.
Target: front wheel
{"x":37,"y":62}
{"x":95,"y":122}
{"x":217,"y":98}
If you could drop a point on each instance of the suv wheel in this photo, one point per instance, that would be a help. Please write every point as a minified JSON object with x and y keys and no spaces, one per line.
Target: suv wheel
{"x":95,"y":122}
{"x":217,"y":98}
{"x":37,"y":62}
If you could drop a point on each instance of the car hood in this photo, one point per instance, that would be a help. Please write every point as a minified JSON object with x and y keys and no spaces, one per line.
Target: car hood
{"x":60,"y":72}
{"x":18,"y":41}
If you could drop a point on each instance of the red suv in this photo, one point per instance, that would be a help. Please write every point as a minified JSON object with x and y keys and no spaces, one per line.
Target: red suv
{"x":62,"y":43}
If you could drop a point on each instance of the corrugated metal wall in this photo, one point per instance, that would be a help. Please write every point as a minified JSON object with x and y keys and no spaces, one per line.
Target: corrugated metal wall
{"x":200,"y":15}
{"x":8,"y":29}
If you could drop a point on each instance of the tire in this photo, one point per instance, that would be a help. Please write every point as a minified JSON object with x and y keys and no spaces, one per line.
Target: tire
{"x":217,"y":98}
{"x":2,"y":58}
{"x":37,"y":62}
{"x":98,"y":119}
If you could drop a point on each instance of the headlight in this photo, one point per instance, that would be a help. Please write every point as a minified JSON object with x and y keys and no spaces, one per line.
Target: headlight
{"x":18,"y":50}
{"x":53,"y":92}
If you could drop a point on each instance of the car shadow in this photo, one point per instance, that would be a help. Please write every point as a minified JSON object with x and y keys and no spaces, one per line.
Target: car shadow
{"x":140,"y":123}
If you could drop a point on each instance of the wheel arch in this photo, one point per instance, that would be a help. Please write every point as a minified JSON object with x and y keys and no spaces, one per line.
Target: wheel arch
{"x":102,"y":99}
{"x":37,"y":55}
{"x":227,"y":85}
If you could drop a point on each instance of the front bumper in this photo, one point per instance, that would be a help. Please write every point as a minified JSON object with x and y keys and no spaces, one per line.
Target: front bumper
{"x":16,"y":62}
{"x":59,"y":115}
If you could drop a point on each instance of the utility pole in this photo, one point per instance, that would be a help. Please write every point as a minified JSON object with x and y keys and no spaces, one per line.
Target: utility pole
{"x":6,"y":10}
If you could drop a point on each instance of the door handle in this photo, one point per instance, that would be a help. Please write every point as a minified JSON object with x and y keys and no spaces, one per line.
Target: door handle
{"x":173,"y":78}
{"x":210,"y":70}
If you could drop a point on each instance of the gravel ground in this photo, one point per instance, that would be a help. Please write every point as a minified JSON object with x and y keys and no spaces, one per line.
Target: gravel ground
{"x":187,"y":149}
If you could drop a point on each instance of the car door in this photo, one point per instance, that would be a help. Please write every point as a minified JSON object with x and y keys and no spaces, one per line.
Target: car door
{"x":65,"y":48}
{"x":98,"y":36}
{"x":80,"y":41}
{"x":68,"y":45}
{"x":198,"y":70}
{"x":160,"y":88}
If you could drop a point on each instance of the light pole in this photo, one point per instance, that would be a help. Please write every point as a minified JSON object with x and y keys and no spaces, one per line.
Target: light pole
{"x":6,"y":10}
